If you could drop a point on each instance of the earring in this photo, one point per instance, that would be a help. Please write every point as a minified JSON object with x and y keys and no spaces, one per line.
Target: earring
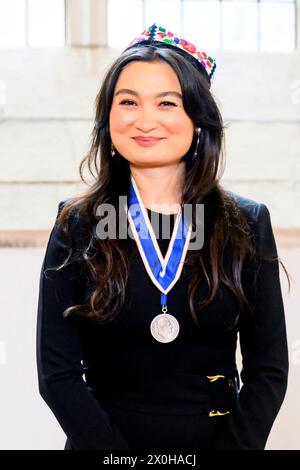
{"x":197,"y":130}
{"x":112,"y":150}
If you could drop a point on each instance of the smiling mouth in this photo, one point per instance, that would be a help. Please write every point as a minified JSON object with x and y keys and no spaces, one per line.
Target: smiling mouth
{"x":147,"y":141}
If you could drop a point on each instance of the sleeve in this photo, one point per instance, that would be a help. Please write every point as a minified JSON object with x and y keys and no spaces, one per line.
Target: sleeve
{"x":58,"y":354}
{"x":264,"y":352}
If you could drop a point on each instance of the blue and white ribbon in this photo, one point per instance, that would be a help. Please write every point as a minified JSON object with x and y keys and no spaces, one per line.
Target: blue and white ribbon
{"x":163,"y":271}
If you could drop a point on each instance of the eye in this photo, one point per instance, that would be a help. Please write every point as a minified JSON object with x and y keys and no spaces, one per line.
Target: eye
{"x":126,"y":101}
{"x":169,"y":102}
{"x":163,"y":102}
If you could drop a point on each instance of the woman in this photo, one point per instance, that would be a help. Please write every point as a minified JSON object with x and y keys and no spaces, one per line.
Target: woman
{"x":117,"y":370}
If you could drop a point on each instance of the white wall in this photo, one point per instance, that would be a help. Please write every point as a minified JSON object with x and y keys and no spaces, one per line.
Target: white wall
{"x":46,"y":116}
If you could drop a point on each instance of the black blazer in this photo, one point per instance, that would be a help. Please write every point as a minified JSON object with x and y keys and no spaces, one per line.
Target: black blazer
{"x":66,"y":348}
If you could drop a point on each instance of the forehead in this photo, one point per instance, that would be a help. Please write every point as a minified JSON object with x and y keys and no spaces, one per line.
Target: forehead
{"x":148,"y":75}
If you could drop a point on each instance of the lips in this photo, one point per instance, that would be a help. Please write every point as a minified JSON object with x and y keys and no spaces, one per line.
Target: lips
{"x":147,"y":141}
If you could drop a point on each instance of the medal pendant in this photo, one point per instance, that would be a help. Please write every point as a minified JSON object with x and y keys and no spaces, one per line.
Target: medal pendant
{"x":164,"y":328}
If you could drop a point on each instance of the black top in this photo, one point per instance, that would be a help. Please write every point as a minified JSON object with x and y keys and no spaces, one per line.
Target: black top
{"x":82,"y":366}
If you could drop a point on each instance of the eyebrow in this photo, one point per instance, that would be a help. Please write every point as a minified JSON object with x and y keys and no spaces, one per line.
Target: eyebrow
{"x":158,"y":95}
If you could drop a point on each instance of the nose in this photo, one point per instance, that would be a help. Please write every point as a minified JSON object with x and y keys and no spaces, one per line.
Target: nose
{"x":146,"y":120}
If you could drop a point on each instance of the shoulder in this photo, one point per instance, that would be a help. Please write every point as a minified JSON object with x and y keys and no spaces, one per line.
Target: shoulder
{"x":63,"y":203}
{"x":255,"y":211}
{"x":74,"y":214}
{"x":78,"y":225}
{"x":259,"y":220}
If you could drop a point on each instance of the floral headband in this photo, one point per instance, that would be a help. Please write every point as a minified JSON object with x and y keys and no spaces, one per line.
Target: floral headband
{"x":162,"y":35}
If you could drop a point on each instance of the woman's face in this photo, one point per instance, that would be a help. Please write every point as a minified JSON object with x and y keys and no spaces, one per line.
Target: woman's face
{"x":137,"y":110}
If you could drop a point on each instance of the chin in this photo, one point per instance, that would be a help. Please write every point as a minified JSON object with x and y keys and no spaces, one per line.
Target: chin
{"x":147,"y":162}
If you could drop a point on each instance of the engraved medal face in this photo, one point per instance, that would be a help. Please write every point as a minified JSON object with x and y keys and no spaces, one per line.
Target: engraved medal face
{"x":164,"y":328}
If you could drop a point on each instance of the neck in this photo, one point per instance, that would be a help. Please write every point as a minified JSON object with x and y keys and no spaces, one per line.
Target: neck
{"x":160,"y":187}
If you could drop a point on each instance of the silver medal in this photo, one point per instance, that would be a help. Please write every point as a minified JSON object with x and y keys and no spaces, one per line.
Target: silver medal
{"x":164,"y":328}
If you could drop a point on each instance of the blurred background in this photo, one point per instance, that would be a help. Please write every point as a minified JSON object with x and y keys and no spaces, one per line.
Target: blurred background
{"x":53,"y":55}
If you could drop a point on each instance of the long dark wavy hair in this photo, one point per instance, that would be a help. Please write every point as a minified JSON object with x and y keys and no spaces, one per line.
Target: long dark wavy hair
{"x":105,"y":260}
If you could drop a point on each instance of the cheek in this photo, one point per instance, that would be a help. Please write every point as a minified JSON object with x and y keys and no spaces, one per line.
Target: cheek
{"x":179,"y":124}
{"x":119,"y":119}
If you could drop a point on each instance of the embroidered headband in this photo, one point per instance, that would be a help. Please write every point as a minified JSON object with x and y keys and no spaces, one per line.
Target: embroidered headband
{"x":158,"y":34}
